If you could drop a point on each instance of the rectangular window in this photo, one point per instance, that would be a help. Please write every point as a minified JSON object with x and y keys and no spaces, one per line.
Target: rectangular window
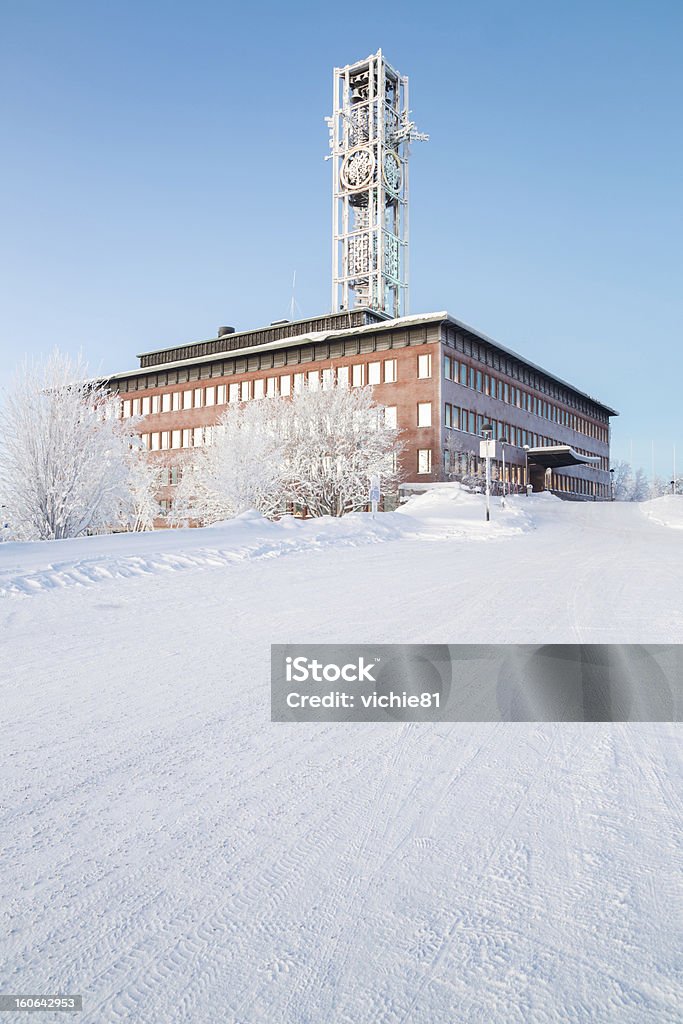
{"x":187,"y":399}
{"x":147,"y":441}
{"x":156,"y":442}
{"x":127,"y":407}
{"x":343,"y":376}
{"x":463,"y":374}
{"x":271,"y":386}
{"x":424,"y":366}
{"x":136,"y":407}
{"x":313,"y":380}
{"x":166,"y":402}
{"x":328,"y":379}
{"x":165,"y":440}
{"x":197,"y":437}
{"x":211,"y":396}
{"x":448,"y":415}
{"x":259,"y":388}
{"x":480,"y":381}
{"x":298,"y":382}
{"x":448,"y":367}
{"x":176,"y":401}
{"x":374,"y":373}
{"x":245,"y":390}
{"x":156,"y":403}
{"x":286,"y":384}
{"x":424,"y":414}
{"x":146,"y":405}
{"x":472,"y":377}
{"x":390,"y":415}
{"x":187,"y":438}
{"x":424,"y":460}
{"x":176,"y":437}
{"x":221,"y":394}
{"x":389,"y":371}
{"x":358,"y":377}
{"x":198,"y":398}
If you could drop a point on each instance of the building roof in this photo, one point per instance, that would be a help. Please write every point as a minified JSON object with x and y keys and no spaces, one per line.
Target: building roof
{"x":554,"y":456}
{"x":308,"y":336}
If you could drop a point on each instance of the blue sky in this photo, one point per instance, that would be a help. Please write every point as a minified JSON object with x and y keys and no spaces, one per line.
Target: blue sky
{"x":162,"y":173}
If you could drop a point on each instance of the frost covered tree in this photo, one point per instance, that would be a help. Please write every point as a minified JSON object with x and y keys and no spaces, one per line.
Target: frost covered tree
{"x":456,"y":456}
{"x":336,"y":440}
{"x":641,"y":486}
{"x":623,"y":481}
{"x":317,"y":450}
{"x":239,"y":468}
{"x":659,"y":487}
{"x":144,"y":481}
{"x":65,"y":456}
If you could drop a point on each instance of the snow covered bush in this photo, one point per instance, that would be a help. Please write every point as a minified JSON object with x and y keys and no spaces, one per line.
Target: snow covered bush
{"x":68,"y":465}
{"x":316,"y":450}
{"x":241,"y":466}
{"x":141,"y":506}
{"x":337,"y":439}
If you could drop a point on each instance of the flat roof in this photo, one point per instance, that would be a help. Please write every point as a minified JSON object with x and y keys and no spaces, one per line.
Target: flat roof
{"x":554,"y":456}
{"x":318,"y":336}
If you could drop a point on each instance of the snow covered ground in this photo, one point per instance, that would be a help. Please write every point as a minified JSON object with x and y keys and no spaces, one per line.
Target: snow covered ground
{"x":174,"y":856}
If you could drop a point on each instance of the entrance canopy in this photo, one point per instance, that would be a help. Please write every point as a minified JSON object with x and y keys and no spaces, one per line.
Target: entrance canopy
{"x":558,"y":455}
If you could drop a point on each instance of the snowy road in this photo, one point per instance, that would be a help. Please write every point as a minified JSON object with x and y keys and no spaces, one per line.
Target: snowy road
{"x":174,"y":856}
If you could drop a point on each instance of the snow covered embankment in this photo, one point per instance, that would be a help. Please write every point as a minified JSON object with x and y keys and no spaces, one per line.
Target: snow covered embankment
{"x":666,"y":511}
{"x":443,"y":512}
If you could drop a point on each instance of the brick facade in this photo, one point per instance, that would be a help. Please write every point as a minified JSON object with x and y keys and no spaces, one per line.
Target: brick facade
{"x":432,"y":370}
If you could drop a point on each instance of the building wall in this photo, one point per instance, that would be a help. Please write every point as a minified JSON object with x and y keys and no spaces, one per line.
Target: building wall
{"x":403,"y":352}
{"x":525,"y":406}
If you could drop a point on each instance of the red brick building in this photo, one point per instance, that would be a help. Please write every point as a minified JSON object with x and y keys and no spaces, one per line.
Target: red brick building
{"x":440,"y":380}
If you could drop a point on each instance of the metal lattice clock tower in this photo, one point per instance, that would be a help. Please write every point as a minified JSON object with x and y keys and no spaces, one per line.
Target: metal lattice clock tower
{"x":370,"y":133}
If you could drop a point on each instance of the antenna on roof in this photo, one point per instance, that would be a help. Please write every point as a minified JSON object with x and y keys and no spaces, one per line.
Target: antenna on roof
{"x":294,"y":305}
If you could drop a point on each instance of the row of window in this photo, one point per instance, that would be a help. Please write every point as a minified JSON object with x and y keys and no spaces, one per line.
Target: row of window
{"x":472,"y":423}
{"x":503,"y":391}
{"x":466,"y":463}
{"x":198,"y":437}
{"x":538,"y":381}
{"x":384,"y":371}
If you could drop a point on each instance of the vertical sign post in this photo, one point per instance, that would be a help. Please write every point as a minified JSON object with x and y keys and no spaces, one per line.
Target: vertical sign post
{"x":487,"y":450}
{"x":374,"y":494}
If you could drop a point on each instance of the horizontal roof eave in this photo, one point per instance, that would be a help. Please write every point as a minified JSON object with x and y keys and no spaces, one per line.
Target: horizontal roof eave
{"x":380,"y":325}
{"x":534,"y":366}
{"x":559,"y":455}
{"x":266,"y":327}
{"x":297,"y":339}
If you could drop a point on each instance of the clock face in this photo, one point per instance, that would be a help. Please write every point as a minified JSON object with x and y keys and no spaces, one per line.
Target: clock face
{"x":393,"y":174}
{"x":358,"y":169}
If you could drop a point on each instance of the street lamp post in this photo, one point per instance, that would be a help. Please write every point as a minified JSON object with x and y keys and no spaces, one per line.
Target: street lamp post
{"x":611,"y":484}
{"x":487,"y":434}
{"x":503,"y":442}
{"x":526,"y":469}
